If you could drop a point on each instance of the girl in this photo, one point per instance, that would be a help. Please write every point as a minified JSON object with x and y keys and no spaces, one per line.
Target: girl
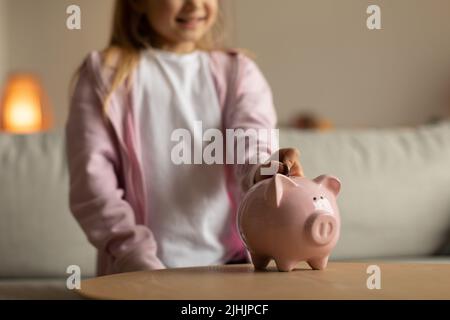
{"x":164,"y":70}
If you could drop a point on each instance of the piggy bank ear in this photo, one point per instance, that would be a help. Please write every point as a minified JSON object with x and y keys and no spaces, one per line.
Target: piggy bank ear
{"x":277,"y":186}
{"x":331,"y":183}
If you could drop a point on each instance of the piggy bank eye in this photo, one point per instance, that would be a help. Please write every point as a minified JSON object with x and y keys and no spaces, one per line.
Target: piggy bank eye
{"x":314,"y":198}
{"x":321,"y":197}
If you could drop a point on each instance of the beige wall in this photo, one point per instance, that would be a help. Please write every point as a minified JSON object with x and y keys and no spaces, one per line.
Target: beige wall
{"x":317,"y":54}
{"x":3,"y":41}
{"x":39,"y":41}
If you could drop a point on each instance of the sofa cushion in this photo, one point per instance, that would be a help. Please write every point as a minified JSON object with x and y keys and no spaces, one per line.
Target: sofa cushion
{"x":38,"y":235}
{"x":394,"y":201}
{"x":395,"y":198}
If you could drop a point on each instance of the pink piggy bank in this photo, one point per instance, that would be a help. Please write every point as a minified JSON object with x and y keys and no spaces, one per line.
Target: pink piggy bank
{"x":290,"y":219}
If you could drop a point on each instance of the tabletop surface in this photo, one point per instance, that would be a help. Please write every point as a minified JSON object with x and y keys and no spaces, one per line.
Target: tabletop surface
{"x":340,"y":280}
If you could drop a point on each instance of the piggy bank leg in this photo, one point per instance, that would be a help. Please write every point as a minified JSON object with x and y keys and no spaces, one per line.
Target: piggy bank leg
{"x":260,"y":262}
{"x":319,"y":263}
{"x":285,"y":266}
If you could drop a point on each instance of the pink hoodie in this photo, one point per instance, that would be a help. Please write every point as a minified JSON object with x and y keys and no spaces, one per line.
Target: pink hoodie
{"x":107,"y":193}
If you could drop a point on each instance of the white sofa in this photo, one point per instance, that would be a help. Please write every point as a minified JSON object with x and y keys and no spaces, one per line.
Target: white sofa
{"x":395,"y":201}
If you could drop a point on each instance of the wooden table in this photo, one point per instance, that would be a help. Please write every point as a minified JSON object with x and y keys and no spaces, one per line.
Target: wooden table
{"x":240,"y":282}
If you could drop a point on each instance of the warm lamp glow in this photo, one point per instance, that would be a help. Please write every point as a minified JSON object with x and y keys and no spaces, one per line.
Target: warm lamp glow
{"x":24,"y":106}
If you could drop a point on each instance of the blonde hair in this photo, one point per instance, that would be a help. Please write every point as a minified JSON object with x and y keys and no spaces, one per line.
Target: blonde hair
{"x":132,"y":33}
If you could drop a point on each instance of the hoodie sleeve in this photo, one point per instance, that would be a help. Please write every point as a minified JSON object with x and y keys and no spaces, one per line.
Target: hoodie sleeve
{"x":96,"y":196}
{"x":250,"y":113}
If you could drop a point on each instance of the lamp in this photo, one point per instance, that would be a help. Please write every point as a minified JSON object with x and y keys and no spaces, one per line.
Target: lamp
{"x":25,"y":107}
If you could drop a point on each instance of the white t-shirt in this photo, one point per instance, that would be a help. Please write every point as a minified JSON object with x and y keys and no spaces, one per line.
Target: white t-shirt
{"x":189,"y":208}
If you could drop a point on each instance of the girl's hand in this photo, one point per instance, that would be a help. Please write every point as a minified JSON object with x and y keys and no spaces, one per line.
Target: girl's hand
{"x":288,"y":164}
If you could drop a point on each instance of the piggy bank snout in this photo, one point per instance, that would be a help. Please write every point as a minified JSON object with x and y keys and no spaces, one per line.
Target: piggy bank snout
{"x":322,"y":228}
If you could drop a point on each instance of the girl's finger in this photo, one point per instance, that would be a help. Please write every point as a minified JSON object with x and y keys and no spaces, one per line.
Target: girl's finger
{"x":296,"y":169}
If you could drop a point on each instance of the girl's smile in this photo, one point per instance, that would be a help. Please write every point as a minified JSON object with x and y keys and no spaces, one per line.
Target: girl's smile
{"x":191,"y":22}
{"x":180,"y":24}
